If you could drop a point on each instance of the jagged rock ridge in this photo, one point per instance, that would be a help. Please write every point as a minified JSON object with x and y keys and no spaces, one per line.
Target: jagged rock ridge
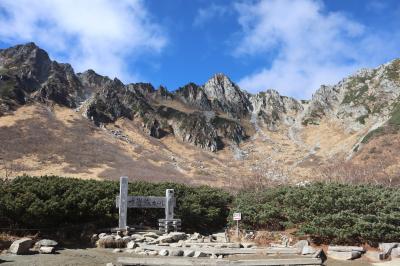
{"x":208,"y":116}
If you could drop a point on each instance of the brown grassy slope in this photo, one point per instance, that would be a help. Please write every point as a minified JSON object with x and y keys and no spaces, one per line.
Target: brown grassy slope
{"x":42,"y":140}
{"x":39,"y":140}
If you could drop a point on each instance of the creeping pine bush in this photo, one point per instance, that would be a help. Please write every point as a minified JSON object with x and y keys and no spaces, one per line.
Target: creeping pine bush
{"x":54,"y":202}
{"x":328,"y":212}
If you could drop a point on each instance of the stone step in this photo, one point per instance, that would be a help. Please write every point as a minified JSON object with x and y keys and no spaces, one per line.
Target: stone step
{"x":216,"y":262}
{"x":230,"y":251}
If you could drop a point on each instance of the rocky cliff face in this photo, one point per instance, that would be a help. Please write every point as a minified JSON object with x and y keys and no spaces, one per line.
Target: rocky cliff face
{"x":31,"y":75}
{"x":227,"y":97}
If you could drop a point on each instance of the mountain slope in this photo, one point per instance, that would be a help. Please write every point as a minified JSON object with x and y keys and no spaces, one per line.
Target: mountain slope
{"x":55,"y":121}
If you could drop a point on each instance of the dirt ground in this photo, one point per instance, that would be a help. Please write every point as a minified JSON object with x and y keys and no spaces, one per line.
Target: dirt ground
{"x":97,"y":256}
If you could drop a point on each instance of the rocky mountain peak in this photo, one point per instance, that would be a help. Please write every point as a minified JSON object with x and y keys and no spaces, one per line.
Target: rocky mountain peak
{"x":226,"y":96}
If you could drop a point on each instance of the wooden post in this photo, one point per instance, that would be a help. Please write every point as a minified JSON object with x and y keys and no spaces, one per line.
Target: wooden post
{"x":123,"y":202}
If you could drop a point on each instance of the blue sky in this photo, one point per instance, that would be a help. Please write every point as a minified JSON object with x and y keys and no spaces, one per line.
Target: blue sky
{"x":293,"y":46}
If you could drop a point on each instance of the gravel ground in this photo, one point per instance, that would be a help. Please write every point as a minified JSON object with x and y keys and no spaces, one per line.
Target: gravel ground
{"x":97,"y":256}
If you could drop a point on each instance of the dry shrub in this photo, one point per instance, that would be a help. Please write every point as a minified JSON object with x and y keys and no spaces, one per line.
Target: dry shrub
{"x":343,"y":171}
{"x":109,"y":242}
{"x":265,"y":238}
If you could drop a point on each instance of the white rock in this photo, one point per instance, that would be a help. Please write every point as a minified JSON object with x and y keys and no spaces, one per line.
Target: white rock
{"x":131,"y":244}
{"x":102,"y":235}
{"x":152,"y":253}
{"x":126,"y":239}
{"x":188,"y":253}
{"x":199,"y":254}
{"x":47,"y":250}
{"x":387,"y":247}
{"x":176,"y":245}
{"x":307,"y":250}
{"x":151,"y":235}
{"x":117,"y":250}
{"x":21,"y":246}
{"x":220,"y":256}
{"x":301,"y":244}
{"x":46,"y":243}
{"x":163,"y":252}
{"x":347,"y":255}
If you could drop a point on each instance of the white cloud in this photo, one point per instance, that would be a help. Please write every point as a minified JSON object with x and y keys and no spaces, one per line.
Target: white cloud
{"x":205,"y":15}
{"x":305,"y":45}
{"x":97,"y":34}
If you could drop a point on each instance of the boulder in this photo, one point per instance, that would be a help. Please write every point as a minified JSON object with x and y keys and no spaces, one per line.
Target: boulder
{"x":102,"y":235}
{"x":176,"y":245}
{"x":307,"y":250}
{"x":199,"y":254}
{"x":195,"y":236}
{"x":395,"y":253}
{"x":387,"y":249}
{"x":131,"y":244}
{"x":152,"y":252}
{"x":213,"y":256}
{"x":220,"y":256}
{"x":345,"y":255}
{"x":21,"y":246}
{"x":163,"y":252}
{"x":117,"y":250}
{"x":176,"y":253}
{"x":346,"y":248}
{"x":46,"y":243}
{"x":126,"y":239}
{"x":188,"y":253}
{"x":138,"y":239}
{"x":151,"y":235}
{"x":301,"y":244}
{"x":47,"y":250}
{"x":220,"y":237}
{"x":176,"y":236}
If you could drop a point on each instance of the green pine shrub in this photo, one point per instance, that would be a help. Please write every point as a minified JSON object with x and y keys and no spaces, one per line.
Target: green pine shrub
{"x":56,"y":202}
{"x":328,"y":212}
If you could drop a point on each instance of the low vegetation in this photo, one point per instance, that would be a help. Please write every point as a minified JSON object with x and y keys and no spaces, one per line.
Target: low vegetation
{"x":56,"y":202}
{"x":328,"y":212}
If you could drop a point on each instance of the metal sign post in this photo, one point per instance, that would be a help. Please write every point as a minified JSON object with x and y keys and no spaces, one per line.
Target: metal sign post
{"x":237,"y":216}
